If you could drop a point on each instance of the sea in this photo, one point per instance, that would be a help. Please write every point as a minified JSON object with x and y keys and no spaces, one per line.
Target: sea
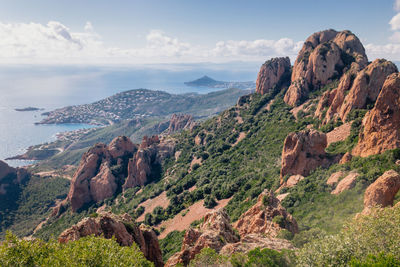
{"x":51,"y":87}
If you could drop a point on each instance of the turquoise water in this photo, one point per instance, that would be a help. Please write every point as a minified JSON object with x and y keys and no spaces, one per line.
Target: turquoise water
{"x":54,"y":87}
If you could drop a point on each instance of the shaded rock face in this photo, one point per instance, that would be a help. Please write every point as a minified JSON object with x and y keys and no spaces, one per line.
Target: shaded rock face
{"x":272,"y":73}
{"x":106,"y":169}
{"x":259,"y":218}
{"x":356,"y":90}
{"x":11,"y":177}
{"x":178,"y":123}
{"x":324,"y":56}
{"x":217,"y":233}
{"x":123,"y":228}
{"x":303,"y":152}
{"x":383,"y":191}
{"x":381,"y":125}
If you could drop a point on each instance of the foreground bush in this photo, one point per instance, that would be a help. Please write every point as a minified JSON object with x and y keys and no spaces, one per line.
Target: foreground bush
{"x":87,"y":251}
{"x":376,"y":234}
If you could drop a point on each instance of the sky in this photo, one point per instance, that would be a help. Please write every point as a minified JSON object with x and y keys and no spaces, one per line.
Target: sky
{"x":122,"y":32}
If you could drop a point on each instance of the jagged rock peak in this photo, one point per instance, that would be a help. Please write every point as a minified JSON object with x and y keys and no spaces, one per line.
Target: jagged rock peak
{"x":325,"y":56}
{"x":110,"y":225}
{"x":104,"y":169}
{"x":356,"y":90}
{"x":272,"y":73}
{"x":381,"y":125}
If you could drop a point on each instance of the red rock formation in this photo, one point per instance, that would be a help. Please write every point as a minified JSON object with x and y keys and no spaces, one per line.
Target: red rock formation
{"x":215,"y":232}
{"x":272,"y":73}
{"x":323,"y":57}
{"x":180,"y":122}
{"x":303,"y":152}
{"x":109,"y":225}
{"x":259,"y":219}
{"x":104,"y":168}
{"x":383,"y":191}
{"x":381,"y":125}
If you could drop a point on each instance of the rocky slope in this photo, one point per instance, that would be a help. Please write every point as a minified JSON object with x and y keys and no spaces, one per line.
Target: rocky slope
{"x":123,"y":228}
{"x":256,"y":227}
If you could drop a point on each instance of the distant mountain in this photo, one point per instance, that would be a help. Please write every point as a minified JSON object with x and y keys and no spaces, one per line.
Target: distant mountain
{"x":206,"y":81}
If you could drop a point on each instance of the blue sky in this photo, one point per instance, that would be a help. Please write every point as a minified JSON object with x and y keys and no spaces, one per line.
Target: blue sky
{"x":137,"y":32}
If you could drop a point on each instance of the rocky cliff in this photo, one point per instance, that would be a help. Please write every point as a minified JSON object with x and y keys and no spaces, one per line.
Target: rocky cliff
{"x":273,"y":73}
{"x":104,"y":169}
{"x":325,"y":56}
{"x":381,"y":125}
{"x":179,"y":122}
{"x":123,"y":228}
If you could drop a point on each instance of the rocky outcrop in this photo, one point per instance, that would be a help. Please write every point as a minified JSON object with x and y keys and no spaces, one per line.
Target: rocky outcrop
{"x":259,"y":219}
{"x":324,"y":56}
{"x":181,"y":122}
{"x":334,"y":178}
{"x":215,"y":232}
{"x":105,"y":169}
{"x":381,"y":125}
{"x":383,"y":191}
{"x":303,"y":152}
{"x":273,"y":72}
{"x":123,"y":228}
{"x":257,"y":229}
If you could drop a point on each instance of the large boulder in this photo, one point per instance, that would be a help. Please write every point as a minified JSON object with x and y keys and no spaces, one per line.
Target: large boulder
{"x":259,"y":219}
{"x":272,"y":73}
{"x":325,"y":56}
{"x":123,"y":228}
{"x":383,"y":191}
{"x":303,"y":152}
{"x":381,"y":125}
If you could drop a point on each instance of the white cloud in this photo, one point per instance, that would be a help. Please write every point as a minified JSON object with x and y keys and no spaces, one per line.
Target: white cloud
{"x":397,"y":5}
{"x":55,"y":43}
{"x":395,"y":22}
{"x":389,"y":51}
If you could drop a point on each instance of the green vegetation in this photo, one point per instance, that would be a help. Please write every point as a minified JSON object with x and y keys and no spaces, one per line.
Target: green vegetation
{"x":254,"y":258}
{"x":31,"y":204}
{"x":376,"y":234}
{"x":171,"y":244}
{"x":87,"y":251}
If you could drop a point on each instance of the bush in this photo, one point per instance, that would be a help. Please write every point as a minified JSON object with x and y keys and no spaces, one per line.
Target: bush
{"x":87,"y":251}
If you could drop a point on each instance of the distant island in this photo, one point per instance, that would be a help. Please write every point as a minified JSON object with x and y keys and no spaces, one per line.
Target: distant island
{"x":206,"y":81}
{"x":28,"y":109}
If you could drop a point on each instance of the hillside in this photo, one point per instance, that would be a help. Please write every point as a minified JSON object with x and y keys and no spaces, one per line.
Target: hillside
{"x":143,"y":103}
{"x":206,"y":81}
{"x":310,"y":161}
